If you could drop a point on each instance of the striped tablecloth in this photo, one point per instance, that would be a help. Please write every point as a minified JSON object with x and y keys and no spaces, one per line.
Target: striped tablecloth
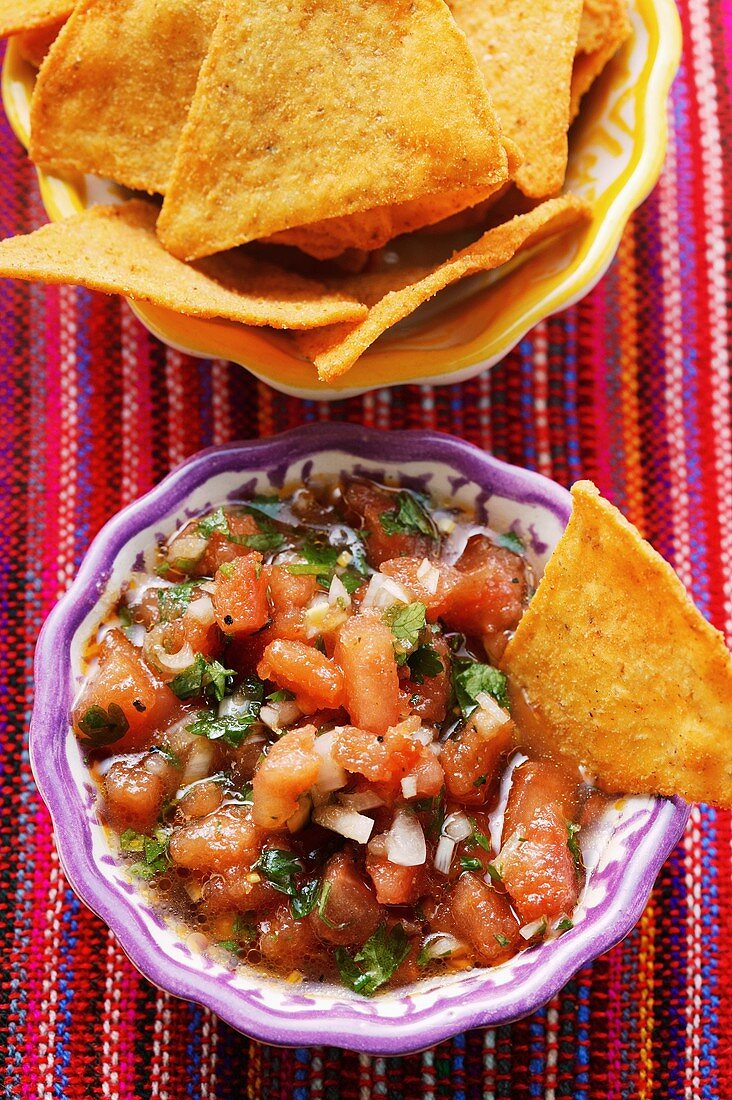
{"x":631,"y":388}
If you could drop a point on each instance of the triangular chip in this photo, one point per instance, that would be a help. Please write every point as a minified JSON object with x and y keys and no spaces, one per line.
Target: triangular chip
{"x":308,"y":111}
{"x":603,"y":29}
{"x":393,"y":295}
{"x":624,"y":674}
{"x":525,"y":53}
{"x":371,"y":229}
{"x":25,"y":15}
{"x":114,"y":249}
{"x":114,"y":92}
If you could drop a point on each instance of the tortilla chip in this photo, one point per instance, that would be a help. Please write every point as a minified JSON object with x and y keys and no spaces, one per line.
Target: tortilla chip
{"x":624,"y":674}
{"x":25,"y":15}
{"x":393,"y":295}
{"x":525,"y":53}
{"x":115,"y":249}
{"x":115,"y":90}
{"x":371,"y":229}
{"x":603,"y":29}
{"x":310,"y":111}
{"x":34,"y":45}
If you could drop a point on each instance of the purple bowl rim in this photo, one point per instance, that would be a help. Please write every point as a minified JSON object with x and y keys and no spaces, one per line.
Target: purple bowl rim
{"x":379,"y":1036}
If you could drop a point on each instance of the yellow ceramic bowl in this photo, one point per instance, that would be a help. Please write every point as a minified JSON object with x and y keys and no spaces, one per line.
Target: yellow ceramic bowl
{"x":617,"y":148}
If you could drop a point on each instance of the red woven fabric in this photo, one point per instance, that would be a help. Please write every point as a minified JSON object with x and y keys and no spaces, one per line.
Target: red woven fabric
{"x":631,"y":388}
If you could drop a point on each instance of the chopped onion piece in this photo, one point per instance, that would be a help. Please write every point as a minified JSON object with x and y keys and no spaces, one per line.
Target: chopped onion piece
{"x":409,"y":786}
{"x":187,"y":548}
{"x":280,"y":715}
{"x":446,"y":525}
{"x":158,"y":656}
{"x":429,"y":576}
{"x":424,"y":735}
{"x":337,"y":593}
{"x":301,"y":814}
{"x":443,"y":854}
{"x":499,"y":717}
{"x":405,"y":843}
{"x":457,"y":827}
{"x":511,"y":846}
{"x":438,"y":945}
{"x":361,"y":800}
{"x":320,"y":617}
{"x":198,"y":762}
{"x":383,"y":592}
{"x":331,"y":776}
{"x":234,"y":704}
{"x":536,"y":928}
{"x":202,"y":610}
{"x":344,"y":558}
{"x":349,"y":824}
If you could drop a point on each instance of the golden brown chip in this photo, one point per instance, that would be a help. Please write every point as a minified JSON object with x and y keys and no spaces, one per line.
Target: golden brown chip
{"x":525,"y":53}
{"x":371,"y":229}
{"x":115,"y":249}
{"x":115,"y":90}
{"x":25,"y":15}
{"x":33,"y":45}
{"x":603,"y":29}
{"x":310,"y":111}
{"x":393,"y":295}
{"x":624,"y":674}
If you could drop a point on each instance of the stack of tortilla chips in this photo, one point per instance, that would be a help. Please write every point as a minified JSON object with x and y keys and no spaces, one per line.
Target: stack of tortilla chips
{"x":279,"y":148}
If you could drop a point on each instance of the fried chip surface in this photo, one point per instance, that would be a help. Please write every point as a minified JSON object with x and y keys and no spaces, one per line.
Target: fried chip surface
{"x":604,"y":27}
{"x":115,"y":249}
{"x":624,"y":674}
{"x":371,"y":229}
{"x":35,"y":44}
{"x":306,"y":111}
{"x":25,"y":15}
{"x":114,"y":92}
{"x":525,"y":52}
{"x":393,"y":295}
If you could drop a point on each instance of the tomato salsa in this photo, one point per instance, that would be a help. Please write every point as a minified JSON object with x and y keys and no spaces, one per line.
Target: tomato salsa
{"x":305,"y":745}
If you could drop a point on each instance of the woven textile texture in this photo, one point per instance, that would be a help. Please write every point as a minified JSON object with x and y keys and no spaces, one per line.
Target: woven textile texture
{"x":631,"y":388}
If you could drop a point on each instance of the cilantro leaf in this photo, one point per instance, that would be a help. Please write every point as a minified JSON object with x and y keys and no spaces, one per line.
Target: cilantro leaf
{"x":216,"y":523}
{"x":103,"y":727}
{"x":279,"y":867}
{"x":425,"y":661}
{"x":305,"y":900}
{"x":501,"y":940}
{"x":173,"y":601}
{"x":406,"y":622}
{"x":378,"y":958}
{"x":231,"y":729}
{"x":205,"y":676}
{"x":351,"y":580}
{"x":408,"y":517}
{"x":469,"y":679}
{"x":478,"y":837}
{"x":266,"y":539}
{"x":511,"y":541}
{"x":565,"y":924}
{"x":153,"y":849}
{"x":435,"y":807}
{"x":470,"y":863}
{"x":572,"y":830}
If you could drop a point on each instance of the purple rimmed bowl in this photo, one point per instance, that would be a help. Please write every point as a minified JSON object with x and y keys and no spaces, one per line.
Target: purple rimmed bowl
{"x":624,"y":854}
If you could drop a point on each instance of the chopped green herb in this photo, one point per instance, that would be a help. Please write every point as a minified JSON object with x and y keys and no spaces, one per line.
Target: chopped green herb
{"x":216,"y":523}
{"x":501,"y":940}
{"x":572,"y":830}
{"x":154,"y":851}
{"x":469,"y":679}
{"x":169,"y":755}
{"x":243,"y":929}
{"x":267,"y":539}
{"x":280,"y":867}
{"x":376,"y":962}
{"x":162,"y":568}
{"x":351,"y":579}
{"x":470,"y":863}
{"x":494,"y":873}
{"x":269,"y":505}
{"x":247,"y":794}
{"x":565,"y":924}
{"x":229,"y":945}
{"x":406,"y":622}
{"x":209,"y":677}
{"x":435,"y":807}
{"x":281,"y":696}
{"x":480,"y":781}
{"x":478,"y":837}
{"x":408,"y":517}
{"x":231,"y":729}
{"x":511,"y":541}
{"x":424,"y":662}
{"x":305,"y":900}
{"x":125,"y":617}
{"x":226,"y":569}
{"x":173,"y":601}
{"x":102,"y":727}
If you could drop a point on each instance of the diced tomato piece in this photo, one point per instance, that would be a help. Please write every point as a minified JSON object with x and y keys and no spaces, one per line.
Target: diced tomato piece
{"x":428,"y":774}
{"x":239,"y":888}
{"x":291,"y":944}
{"x":484,"y":918}
{"x":289,"y":769}
{"x":471,"y":760}
{"x":429,"y":699}
{"x":289,"y":595}
{"x":221,"y":549}
{"x":123,"y":679}
{"x":405,"y":570}
{"x":367,"y":502}
{"x":240,"y":599}
{"x":134,"y":791}
{"x":201,"y":799}
{"x":365,"y":652}
{"x":490,"y":591}
{"x":395,"y":885}
{"x":538,"y":869}
{"x":379,"y":758}
{"x":315,"y":680}
{"x":350,"y":912}
{"x":223,"y":839}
